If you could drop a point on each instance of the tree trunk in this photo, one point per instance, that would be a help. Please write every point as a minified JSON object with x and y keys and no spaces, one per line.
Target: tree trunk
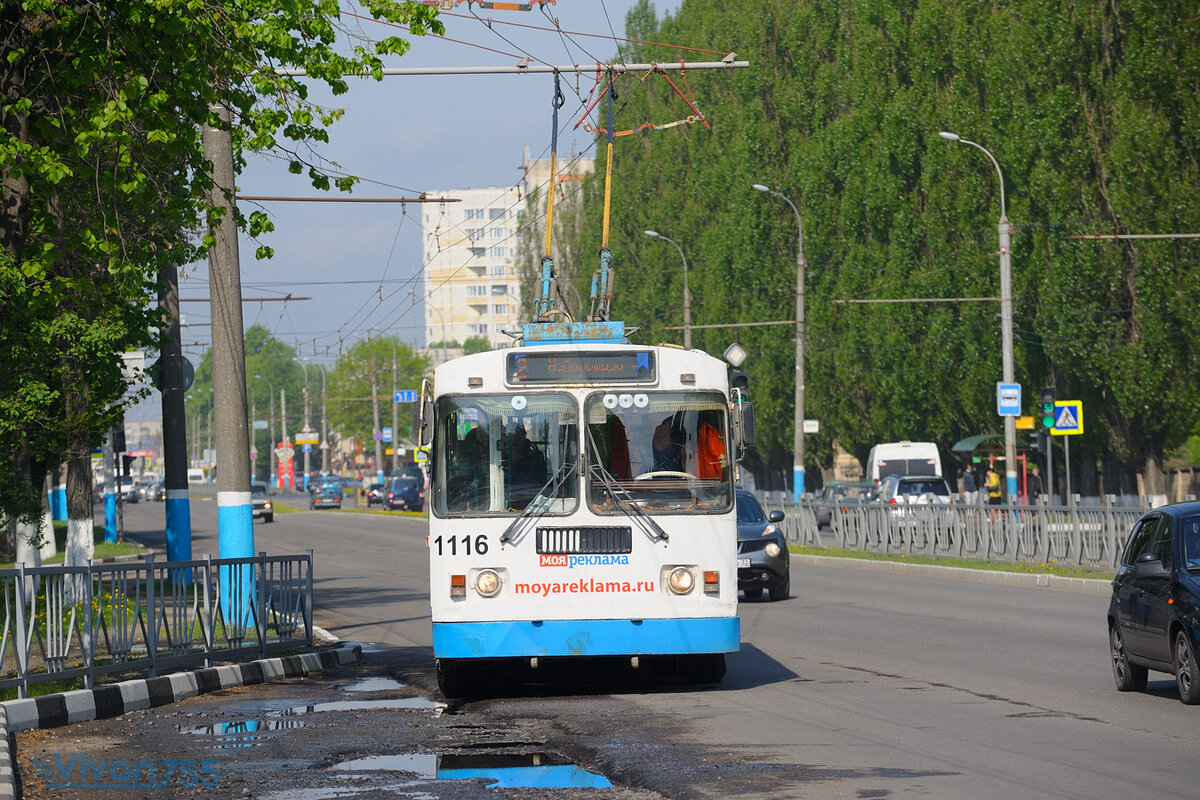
{"x":80,"y":537}
{"x":1154,"y":482}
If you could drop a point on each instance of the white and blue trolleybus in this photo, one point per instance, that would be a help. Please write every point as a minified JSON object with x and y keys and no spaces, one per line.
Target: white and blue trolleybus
{"x":582,"y":494}
{"x":582,"y":505}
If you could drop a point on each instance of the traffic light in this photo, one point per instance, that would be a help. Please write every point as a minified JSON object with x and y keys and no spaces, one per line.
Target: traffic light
{"x":1038,"y":443}
{"x":1048,"y":397}
{"x":739,"y":384}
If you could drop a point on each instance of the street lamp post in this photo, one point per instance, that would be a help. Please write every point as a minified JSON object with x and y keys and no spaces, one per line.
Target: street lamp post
{"x":798,"y":484}
{"x":272,"y":461}
{"x":687,"y":295}
{"x":1006,"y":316}
{"x":307,"y":446}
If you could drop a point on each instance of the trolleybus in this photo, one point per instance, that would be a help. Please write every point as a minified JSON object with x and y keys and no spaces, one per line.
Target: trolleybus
{"x":582,"y":505}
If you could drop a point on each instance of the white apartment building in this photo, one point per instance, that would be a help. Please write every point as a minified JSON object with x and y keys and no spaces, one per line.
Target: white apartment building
{"x":471,"y":276}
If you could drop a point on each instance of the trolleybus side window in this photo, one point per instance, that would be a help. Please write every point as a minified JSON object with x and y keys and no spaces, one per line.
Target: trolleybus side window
{"x":664,"y":451}
{"x":497,"y":454}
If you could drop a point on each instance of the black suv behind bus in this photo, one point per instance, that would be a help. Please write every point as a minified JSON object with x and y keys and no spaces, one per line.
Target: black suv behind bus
{"x":1154,"y":616}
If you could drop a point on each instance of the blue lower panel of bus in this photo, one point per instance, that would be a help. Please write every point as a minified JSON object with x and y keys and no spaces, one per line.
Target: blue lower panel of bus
{"x":591,"y":637}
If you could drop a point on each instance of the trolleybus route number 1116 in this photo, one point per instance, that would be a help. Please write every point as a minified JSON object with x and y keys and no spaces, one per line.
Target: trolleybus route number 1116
{"x":480,"y":544}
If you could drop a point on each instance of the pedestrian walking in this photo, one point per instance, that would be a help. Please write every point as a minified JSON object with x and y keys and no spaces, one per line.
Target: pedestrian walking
{"x":970,"y":488}
{"x":1033,"y":486}
{"x":991,"y":484}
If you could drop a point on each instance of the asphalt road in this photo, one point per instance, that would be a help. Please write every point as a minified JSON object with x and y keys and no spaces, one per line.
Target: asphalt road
{"x":863,"y":684}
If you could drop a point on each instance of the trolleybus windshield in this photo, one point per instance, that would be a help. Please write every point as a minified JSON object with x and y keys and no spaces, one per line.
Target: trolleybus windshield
{"x":497,"y":454}
{"x":664,"y":451}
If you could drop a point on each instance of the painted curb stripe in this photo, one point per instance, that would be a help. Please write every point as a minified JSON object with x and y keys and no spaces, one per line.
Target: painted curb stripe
{"x":105,"y":702}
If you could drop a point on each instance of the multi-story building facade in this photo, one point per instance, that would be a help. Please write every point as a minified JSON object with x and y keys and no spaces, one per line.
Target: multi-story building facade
{"x":469,"y":252}
{"x":472,"y":284}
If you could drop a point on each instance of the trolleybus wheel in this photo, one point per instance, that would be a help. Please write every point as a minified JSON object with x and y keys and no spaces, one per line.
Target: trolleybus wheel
{"x":706,"y":668}
{"x":451,"y":677}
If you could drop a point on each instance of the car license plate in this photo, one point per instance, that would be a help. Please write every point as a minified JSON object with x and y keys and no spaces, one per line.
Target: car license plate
{"x":743,"y":562}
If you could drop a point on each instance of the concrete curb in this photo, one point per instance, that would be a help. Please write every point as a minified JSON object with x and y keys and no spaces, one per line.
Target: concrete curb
{"x":113,"y":700}
{"x":1024,"y":579}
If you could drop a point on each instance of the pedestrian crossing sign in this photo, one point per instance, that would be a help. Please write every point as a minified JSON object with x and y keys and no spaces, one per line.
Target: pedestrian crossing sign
{"x":1068,"y":418}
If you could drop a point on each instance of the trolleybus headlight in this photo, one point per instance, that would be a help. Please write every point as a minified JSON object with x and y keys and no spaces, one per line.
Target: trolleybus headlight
{"x":487,"y":582}
{"x":681,"y":580}
{"x":771,"y":549}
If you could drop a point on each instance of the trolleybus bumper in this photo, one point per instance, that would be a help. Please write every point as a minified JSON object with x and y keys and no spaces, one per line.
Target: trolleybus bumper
{"x":605,"y":637}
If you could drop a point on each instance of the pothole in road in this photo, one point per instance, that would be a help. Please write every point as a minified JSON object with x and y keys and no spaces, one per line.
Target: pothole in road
{"x":526,"y":771}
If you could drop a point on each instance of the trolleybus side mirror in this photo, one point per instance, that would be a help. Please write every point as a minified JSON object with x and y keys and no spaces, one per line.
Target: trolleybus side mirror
{"x":422,"y":416}
{"x":743,"y":418}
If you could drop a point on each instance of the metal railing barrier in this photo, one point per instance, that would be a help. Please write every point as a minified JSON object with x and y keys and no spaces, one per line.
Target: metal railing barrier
{"x":1072,"y":535}
{"x":69,"y":623}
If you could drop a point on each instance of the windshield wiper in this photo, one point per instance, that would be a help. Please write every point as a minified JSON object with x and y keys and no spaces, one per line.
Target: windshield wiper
{"x":537,"y":504}
{"x":622,"y":499}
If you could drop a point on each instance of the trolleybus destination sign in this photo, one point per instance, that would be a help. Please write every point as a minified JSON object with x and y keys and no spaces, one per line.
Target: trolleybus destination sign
{"x":595,"y":367}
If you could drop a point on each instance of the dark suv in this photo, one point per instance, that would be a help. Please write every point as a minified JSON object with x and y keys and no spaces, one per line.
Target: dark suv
{"x":1154,"y":616}
{"x":405,"y":493}
{"x":762,"y":553}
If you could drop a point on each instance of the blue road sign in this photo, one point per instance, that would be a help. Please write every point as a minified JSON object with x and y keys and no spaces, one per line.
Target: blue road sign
{"x":406,"y":396}
{"x":1008,"y":399}
{"x":1068,"y":418}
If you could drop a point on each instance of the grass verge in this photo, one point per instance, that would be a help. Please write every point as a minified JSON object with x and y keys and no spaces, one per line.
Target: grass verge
{"x":103,"y":549}
{"x":1065,"y":570}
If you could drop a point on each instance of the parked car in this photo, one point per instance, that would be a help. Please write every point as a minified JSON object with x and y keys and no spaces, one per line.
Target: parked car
{"x":904,"y":489}
{"x":145,"y":486}
{"x":903,"y":458}
{"x":404,"y":493}
{"x":924,"y":493}
{"x":128,"y":489}
{"x":327,"y":495}
{"x":260,"y":500}
{"x":840,"y":494}
{"x":762,"y":556}
{"x":375,"y":495}
{"x":1154,"y":615}
{"x":324,"y":480}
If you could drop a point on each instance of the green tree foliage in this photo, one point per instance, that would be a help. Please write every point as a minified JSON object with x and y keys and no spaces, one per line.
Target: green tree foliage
{"x":105,"y":179}
{"x":1089,"y":108}
{"x":476,"y":344}
{"x":273,"y":376}
{"x":367,"y":364}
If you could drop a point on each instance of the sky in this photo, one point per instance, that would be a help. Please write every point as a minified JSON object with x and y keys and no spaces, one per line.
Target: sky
{"x":403,"y":136}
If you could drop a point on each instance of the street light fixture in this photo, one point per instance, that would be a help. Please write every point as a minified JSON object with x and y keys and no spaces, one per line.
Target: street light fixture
{"x":798,"y":484}
{"x":1006,"y":314}
{"x":687,"y":295}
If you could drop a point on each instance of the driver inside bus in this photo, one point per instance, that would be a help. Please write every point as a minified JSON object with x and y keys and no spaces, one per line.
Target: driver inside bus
{"x":526,"y":468}
{"x":668,"y":453}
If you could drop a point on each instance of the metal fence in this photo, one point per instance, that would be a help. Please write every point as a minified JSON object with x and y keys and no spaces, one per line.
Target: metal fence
{"x":1088,"y":536}
{"x":66,"y":623}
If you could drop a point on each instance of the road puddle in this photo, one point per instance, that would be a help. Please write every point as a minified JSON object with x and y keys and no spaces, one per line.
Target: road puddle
{"x":527,"y":771}
{"x":241,"y":733}
{"x":374,"y":685}
{"x":409,"y":703}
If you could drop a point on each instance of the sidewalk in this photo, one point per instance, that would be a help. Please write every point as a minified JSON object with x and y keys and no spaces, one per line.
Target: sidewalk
{"x":113,"y":700}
